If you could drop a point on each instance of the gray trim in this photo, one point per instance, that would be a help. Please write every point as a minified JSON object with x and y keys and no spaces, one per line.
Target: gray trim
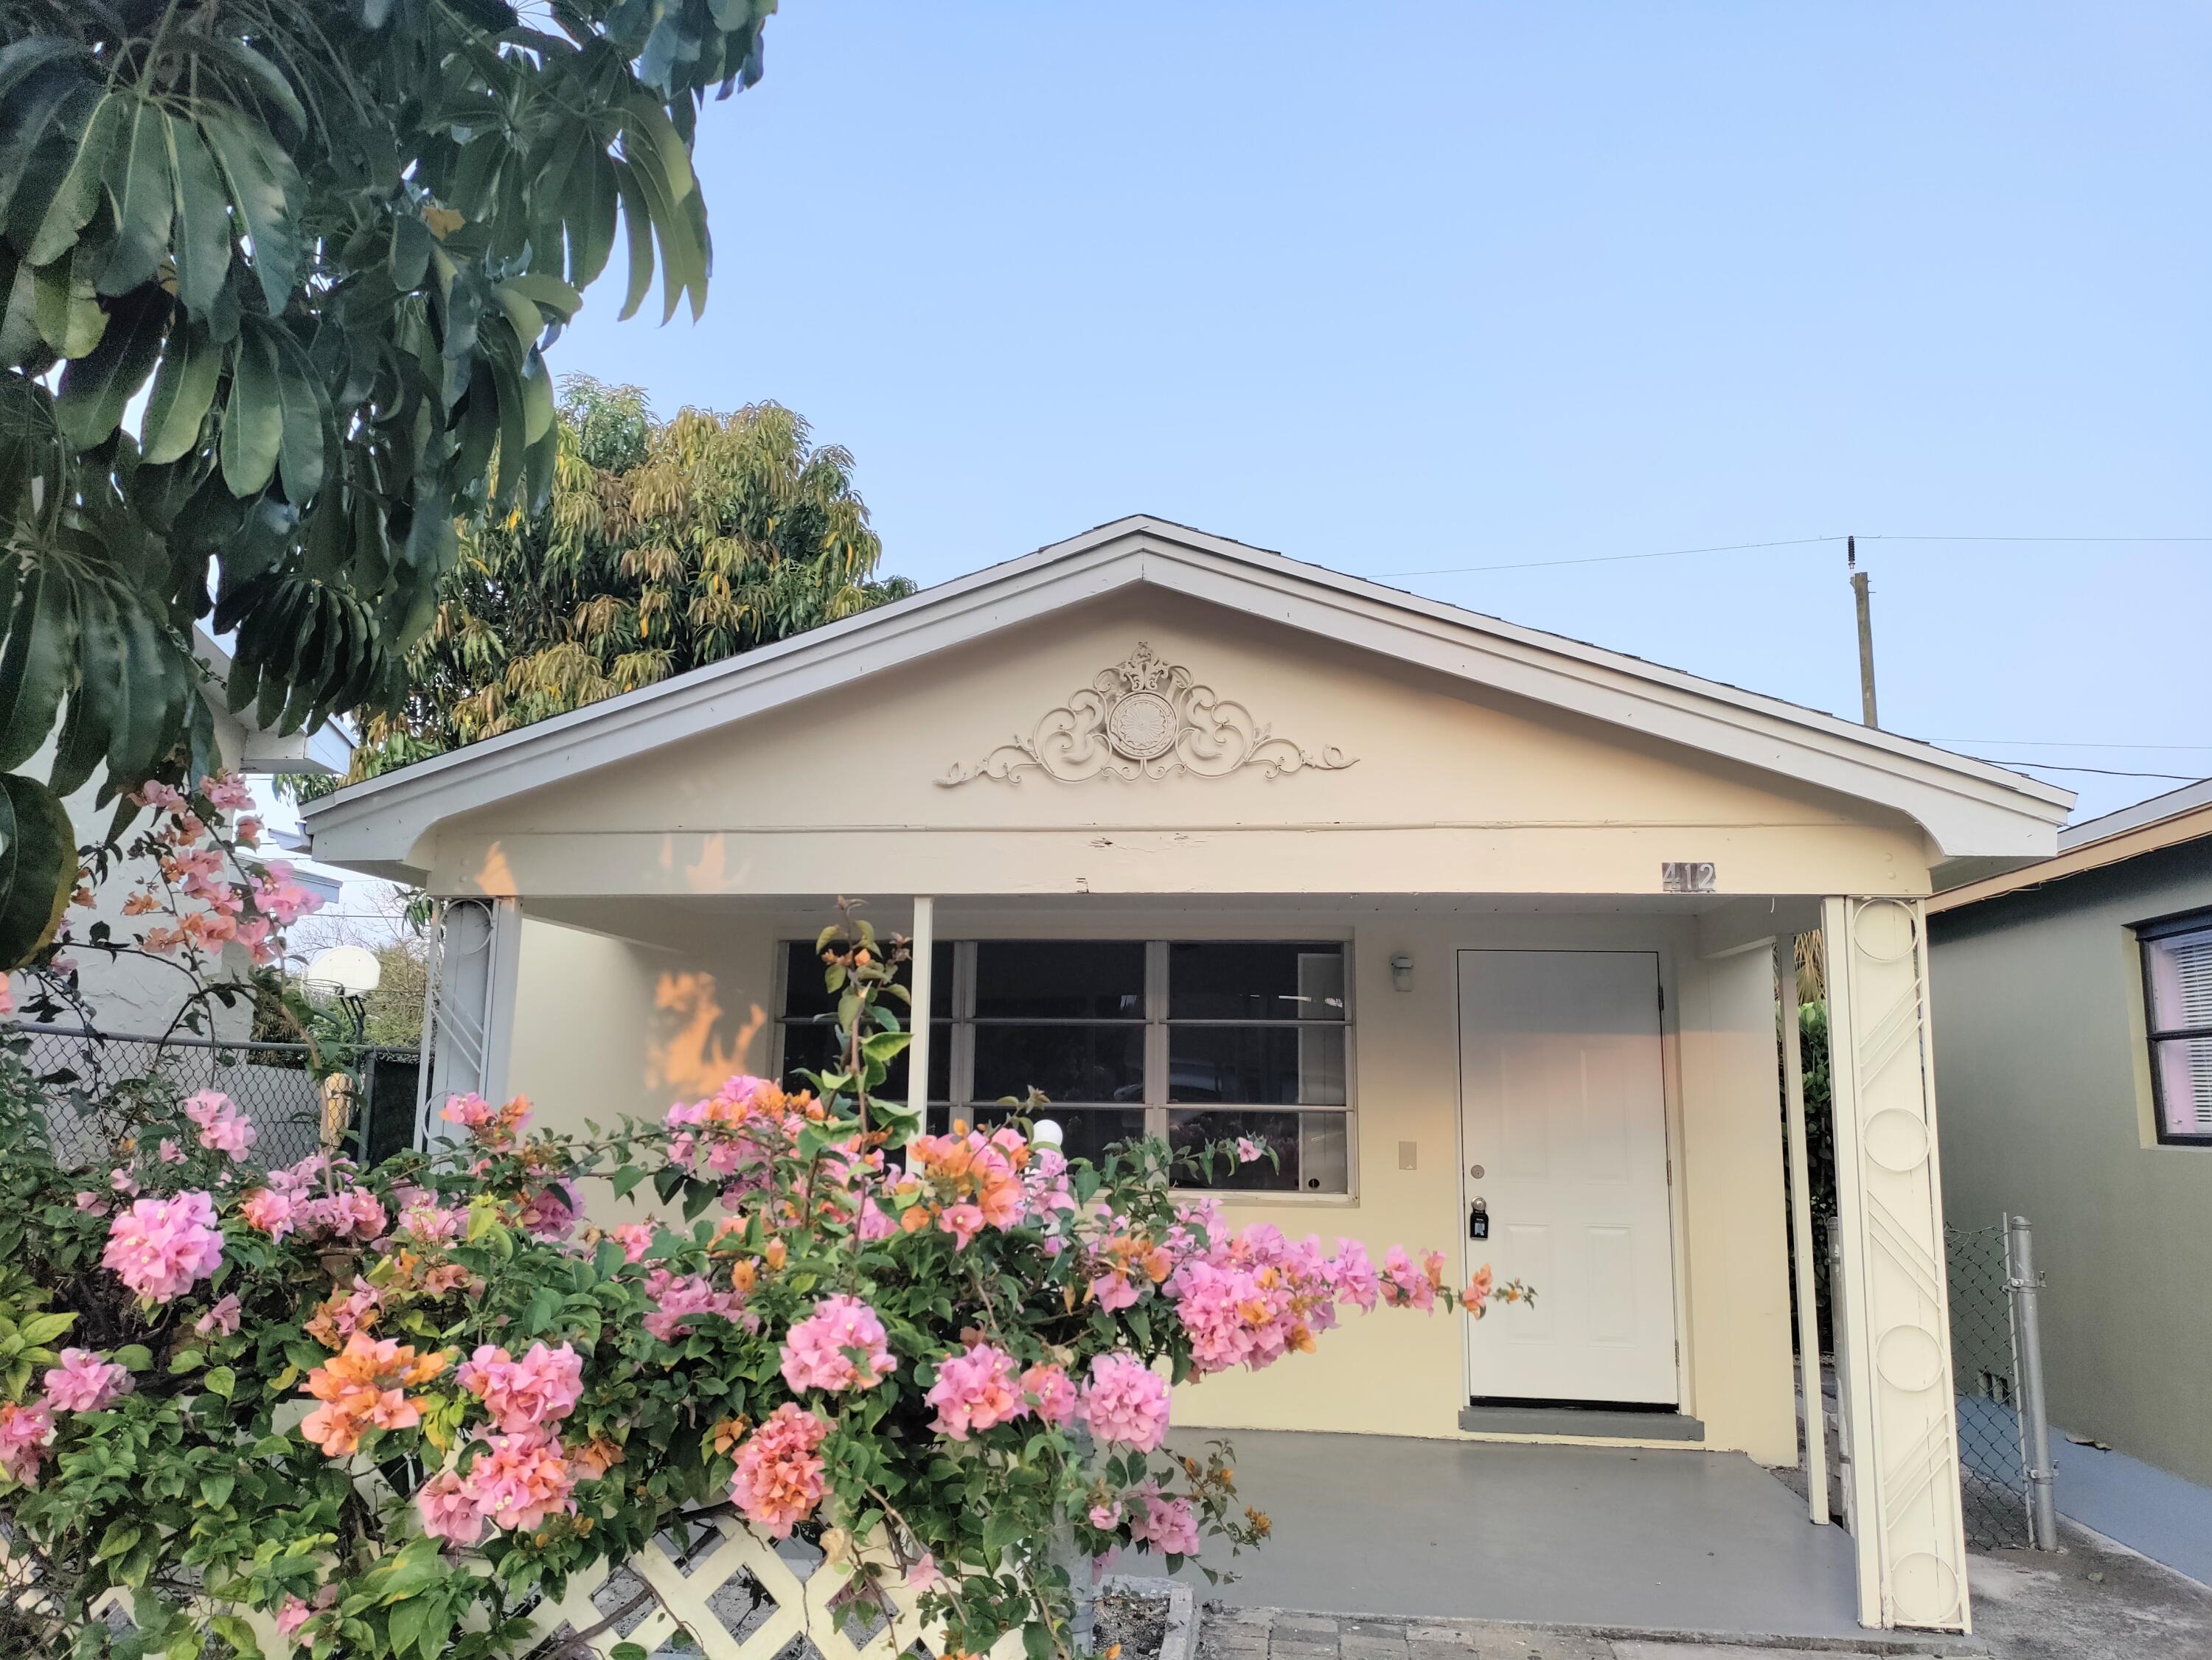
{"x":1610,"y":1424}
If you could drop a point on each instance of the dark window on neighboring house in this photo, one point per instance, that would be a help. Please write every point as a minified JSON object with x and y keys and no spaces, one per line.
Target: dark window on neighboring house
{"x":2177,"y":957}
{"x":1201,"y":1042}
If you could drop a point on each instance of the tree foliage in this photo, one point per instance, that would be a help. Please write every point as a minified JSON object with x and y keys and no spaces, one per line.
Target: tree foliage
{"x":329,"y":242}
{"x":665,"y":545}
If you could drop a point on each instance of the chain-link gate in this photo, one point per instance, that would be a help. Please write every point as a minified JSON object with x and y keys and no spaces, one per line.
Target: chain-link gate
{"x":1991,"y":1372}
{"x":270,"y":1082}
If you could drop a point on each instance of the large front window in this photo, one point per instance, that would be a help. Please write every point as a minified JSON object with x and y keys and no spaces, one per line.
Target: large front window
{"x":2178,"y":993}
{"x":1198,"y":1041}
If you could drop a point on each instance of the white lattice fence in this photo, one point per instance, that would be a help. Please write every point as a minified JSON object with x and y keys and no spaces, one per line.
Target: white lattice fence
{"x":797,"y":1606}
{"x":801,"y":1607}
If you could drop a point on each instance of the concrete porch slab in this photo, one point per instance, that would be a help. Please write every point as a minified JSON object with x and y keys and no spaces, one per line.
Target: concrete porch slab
{"x":1656,"y":1540}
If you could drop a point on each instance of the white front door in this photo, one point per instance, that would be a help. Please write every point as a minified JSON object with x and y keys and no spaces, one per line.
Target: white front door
{"x":1565,"y":1143}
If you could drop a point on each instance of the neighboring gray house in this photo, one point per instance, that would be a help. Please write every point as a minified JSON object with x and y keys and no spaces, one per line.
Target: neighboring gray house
{"x":2073,"y":1016}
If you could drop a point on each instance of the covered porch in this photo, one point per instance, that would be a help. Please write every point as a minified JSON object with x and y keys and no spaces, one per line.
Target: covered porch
{"x":1577,"y":1498}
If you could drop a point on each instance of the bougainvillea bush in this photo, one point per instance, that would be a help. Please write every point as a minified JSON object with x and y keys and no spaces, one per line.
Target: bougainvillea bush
{"x":392,"y":1406}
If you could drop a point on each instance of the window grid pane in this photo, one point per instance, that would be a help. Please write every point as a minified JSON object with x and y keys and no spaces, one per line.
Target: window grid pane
{"x":2178,"y":995}
{"x":1193,"y":1042}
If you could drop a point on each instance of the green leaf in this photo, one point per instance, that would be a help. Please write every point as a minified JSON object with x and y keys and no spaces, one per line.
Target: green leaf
{"x":96,"y":388}
{"x":253,"y":417}
{"x":637,"y":221}
{"x":410,"y":251}
{"x":201,"y":235}
{"x":117,"y":1541}
{"x":133,"y":1357}
{"x":155,"y":688}
{"x":95,"y":705}
{"x":70,"y":319}
{"x":884,"y":1047}
{"x":78,"y":196}
{"x":549,"y":292}
{"x":184,"y":392}
{"x":40,"y":1329}
{"x":220,"y":1380}
{"x":216,"y":1490}
{"x":306,"y":418}
{"x":234,"y":1631}
{"x":36,"y":662}
{"x":594,"y":201}
{"x":185,"y":1359}
{"x":262,"y":181}
{"x":145,"y":199}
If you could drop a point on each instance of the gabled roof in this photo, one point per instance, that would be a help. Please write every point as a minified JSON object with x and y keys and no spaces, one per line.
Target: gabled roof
{"x":1968,"y":807}
{"x":2168,"y":820}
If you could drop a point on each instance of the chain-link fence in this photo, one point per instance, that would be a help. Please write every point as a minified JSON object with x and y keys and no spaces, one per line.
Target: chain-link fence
{"x":1986,"y":1373}
{"x":88,"y":1076}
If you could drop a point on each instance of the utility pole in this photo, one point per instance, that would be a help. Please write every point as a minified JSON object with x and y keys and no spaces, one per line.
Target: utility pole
{"x":1866,"y":629}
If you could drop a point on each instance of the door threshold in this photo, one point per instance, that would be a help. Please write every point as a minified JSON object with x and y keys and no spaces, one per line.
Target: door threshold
{"x":1606,"y":1423}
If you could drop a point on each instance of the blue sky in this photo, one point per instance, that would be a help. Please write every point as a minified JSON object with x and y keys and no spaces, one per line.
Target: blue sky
{"x":1400,"y":286}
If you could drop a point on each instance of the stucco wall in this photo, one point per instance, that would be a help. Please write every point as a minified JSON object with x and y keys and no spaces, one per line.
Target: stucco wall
{"x":592,"y":1038}
{"x":2044,"y":1089}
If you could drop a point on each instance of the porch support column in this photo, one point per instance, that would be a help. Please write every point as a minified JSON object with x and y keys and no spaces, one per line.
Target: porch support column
{"x":1908,"y":1530}
{"x":923,"y":945}
{"x":1801,"y":1236}
{"x":468,"y":1019}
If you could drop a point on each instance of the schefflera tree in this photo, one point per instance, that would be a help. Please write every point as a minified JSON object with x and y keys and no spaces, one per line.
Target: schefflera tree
{"x":330,"y":243}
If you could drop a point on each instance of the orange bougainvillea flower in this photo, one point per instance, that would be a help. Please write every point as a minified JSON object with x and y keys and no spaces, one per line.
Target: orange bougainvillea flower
{"x":362,"y":1388}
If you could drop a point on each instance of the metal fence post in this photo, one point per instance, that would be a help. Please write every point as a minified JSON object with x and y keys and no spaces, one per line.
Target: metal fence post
{"x":2022,"y":1282}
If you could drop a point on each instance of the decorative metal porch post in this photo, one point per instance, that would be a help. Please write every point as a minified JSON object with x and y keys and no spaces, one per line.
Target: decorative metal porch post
{"x":1909,"y":1531}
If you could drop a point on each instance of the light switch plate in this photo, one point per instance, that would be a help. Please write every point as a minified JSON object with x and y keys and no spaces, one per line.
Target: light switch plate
{"x":1407,"y":1155}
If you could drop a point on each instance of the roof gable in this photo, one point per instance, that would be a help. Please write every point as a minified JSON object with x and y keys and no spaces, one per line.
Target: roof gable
{"x":1967,"y":807}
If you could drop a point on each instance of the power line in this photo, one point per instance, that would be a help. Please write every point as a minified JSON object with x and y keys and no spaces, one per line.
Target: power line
{"x":2062,"y":743}
{"x":2108,"y":771}
{"x":1610,"y":559}
{"x":1744,"y":546}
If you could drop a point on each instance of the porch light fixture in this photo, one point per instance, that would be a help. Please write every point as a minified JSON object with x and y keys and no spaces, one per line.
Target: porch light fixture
{"x":1402,"y":971}
{"x":1047,"y":1132}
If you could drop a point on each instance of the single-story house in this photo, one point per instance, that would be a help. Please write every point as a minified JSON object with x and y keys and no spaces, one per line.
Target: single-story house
{"x":2074,"y":998}
{"x":1476,"y":924}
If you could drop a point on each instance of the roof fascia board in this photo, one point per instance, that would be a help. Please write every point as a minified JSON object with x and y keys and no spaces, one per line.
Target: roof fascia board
{"x":2115,"y":849}
{"x":1966,"y":805}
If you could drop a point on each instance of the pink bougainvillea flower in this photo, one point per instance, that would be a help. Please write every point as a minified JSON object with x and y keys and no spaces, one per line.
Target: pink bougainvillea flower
{"x":1126,"y":1401}
{"x":268,"y":1211}
{"x":923,"y":1575}
{"x":227,"y":791}
{"x":1250,"y":1151}
{"x":295,"y":1613}
{"x":160,"y":1248}
{"x":449,"y":1509}
{"x":975,"y":1390}
{"x":1051,"y":1394}
{"x":85,"y":1383}
{"x":222,"y":1320}
{"x":635,"y":1239}
{"x":122,"y":1181}
{"x":280,"y":899}
{"x":529,"y":1395}
{"x":553,"y":1212}
{"x":90,"y":1201}
{"x":169,"y":1152}
{"x":26,"y":1430}
{"x":1168,"y":1525}
{"x":778,"y":1482}
{"x":222,"y":1126}
{"x":518,"y":1481}
{"x":820,"y":1351}
{"x":1106,"y":1518}
{"x":962,"y":1221}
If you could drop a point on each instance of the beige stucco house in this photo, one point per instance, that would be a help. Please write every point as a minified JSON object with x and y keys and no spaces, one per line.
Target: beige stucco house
{"x":1477,"y":926}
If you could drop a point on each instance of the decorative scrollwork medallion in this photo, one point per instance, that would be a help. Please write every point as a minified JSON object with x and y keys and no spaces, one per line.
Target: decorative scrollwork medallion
{"x":1145,"y":718}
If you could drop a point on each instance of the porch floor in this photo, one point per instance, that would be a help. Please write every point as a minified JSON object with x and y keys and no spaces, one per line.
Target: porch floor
{"x":1663,"y":1540}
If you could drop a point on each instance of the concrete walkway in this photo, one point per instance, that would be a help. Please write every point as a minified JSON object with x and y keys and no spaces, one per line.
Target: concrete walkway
{"x":1667,"y":1540}
{"x":1269,"y":1634}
